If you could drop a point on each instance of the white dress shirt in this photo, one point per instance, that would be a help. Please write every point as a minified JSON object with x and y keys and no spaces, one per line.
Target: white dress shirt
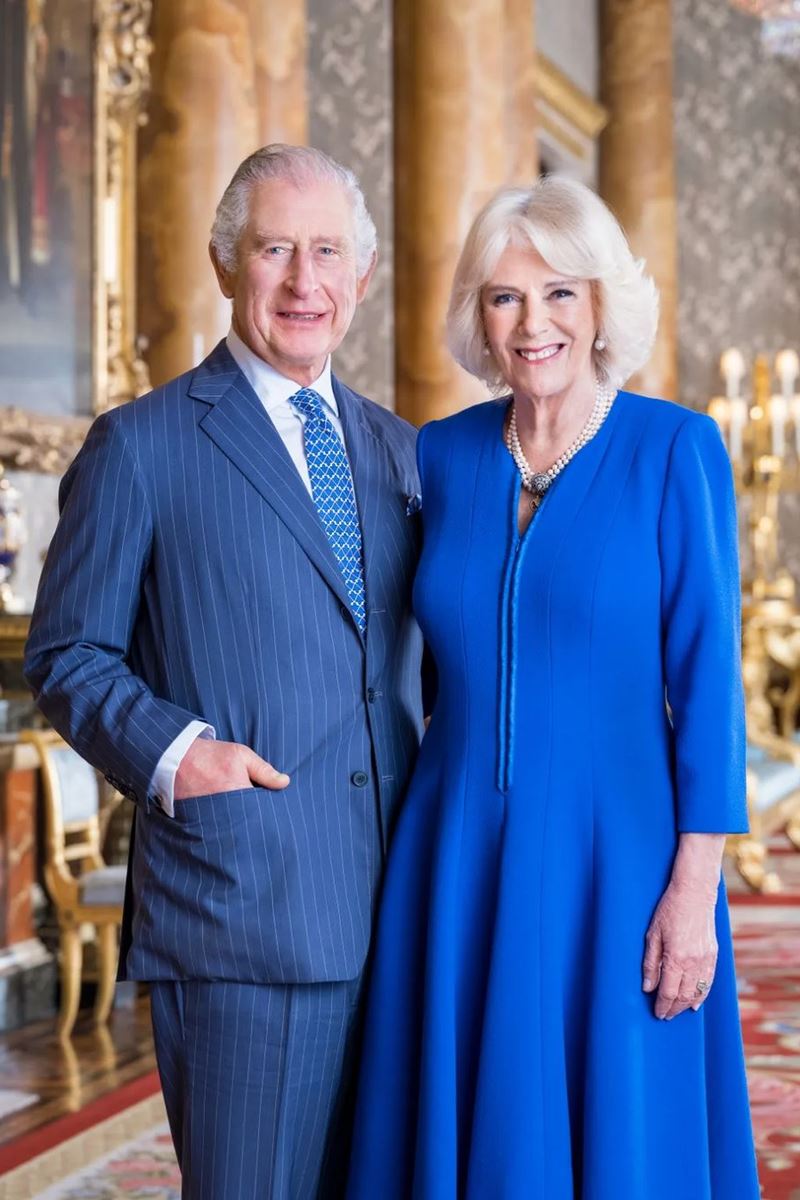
{"x":273,"y":390}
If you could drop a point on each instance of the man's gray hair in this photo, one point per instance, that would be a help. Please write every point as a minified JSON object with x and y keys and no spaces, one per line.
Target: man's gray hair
{"x":300,"y":165}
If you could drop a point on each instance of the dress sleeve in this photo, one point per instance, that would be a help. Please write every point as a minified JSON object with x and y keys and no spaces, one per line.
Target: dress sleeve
{"x":701,"y":631}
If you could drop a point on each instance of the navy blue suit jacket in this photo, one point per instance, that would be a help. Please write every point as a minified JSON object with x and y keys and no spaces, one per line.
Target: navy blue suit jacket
{"x":190,"y":577}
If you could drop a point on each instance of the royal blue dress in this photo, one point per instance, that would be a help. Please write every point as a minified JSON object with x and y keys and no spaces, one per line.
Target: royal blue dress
{"x":510,"y":1052}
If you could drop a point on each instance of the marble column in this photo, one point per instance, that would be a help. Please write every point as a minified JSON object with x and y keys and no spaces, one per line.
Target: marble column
{"x":464,"y":125}
{"x":227,"y":76}
{"x":637,"y":168}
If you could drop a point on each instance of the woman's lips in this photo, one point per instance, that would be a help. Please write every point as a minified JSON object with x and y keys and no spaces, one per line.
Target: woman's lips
{"x":542,"y":355}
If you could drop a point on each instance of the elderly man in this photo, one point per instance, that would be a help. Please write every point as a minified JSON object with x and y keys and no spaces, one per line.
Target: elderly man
{"x":223,"y":629}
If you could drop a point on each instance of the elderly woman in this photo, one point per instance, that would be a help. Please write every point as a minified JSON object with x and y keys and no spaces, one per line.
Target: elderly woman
{"x":552,"y":1012}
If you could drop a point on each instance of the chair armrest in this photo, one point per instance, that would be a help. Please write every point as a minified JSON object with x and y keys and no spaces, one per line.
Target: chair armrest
{"x":62,"y":886}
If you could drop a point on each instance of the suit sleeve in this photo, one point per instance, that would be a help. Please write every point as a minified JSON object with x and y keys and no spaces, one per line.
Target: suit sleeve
{"x":701,"y":631}
{"x":76,"y":657}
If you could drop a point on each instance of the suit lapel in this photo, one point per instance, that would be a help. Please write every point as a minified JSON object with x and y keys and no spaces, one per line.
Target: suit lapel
{"x":239,"y":426}
{"x":370,"y":465}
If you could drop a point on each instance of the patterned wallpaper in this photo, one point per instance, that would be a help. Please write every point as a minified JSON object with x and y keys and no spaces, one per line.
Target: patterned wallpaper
{"x":350,"y":102}
{"x":737,"y":145}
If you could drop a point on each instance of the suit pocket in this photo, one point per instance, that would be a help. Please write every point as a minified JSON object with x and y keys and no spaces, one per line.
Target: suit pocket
{"x":216,"y":807}
{"x":253,"y":884}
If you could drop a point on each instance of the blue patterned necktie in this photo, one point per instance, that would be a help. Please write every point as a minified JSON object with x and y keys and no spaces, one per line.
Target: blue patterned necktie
{"x":332,"y":489}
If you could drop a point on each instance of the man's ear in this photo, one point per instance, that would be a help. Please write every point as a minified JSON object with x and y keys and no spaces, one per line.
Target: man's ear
{"x":363,"y":283}
{"x":225,"y":278}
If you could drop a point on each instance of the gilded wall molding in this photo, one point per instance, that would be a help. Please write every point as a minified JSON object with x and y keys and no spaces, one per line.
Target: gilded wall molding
{"x":569,"y":121}
{"x":30,"y":441}
{"x":122,"y":77}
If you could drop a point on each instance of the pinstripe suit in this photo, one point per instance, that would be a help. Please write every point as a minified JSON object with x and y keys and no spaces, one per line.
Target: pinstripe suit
{"x":190,"y":578}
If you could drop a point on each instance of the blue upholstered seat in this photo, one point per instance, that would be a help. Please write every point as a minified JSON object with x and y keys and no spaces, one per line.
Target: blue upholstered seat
{"x":775,"y":780}
{"x":106,"y":885}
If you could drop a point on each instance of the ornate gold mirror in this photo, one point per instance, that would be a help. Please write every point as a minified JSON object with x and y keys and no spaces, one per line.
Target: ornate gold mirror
{"x":73,"y":78}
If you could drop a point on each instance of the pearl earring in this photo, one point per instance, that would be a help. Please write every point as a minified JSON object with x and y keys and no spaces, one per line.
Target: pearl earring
{"x":599,"y":343}
{"x":486,"y":349}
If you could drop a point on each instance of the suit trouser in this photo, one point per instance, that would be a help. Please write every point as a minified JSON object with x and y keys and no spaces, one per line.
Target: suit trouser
{"x":258,"y":1082}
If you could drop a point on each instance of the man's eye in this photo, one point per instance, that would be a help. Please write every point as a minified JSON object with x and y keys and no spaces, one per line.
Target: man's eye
{"x":328,"y":251}
{"x":275,"y":251}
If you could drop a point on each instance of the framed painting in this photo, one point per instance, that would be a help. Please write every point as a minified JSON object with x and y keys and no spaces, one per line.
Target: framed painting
{"x":73,"y":75}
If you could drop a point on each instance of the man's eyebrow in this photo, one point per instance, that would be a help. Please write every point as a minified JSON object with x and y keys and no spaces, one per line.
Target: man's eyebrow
{"x":263,"y":236}
{"x":341,"y":243}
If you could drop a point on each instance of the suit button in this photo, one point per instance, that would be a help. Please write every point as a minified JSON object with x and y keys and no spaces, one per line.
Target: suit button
{"x":344,"y":610}
{"x":359,"y":778}
{"x":371,"y":695}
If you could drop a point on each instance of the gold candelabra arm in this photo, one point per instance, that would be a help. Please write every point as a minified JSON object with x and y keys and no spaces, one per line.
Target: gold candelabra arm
{"x":762,"y":435}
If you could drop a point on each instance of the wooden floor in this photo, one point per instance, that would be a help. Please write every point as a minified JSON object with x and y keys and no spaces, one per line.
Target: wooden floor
{"x":64,"y":1078}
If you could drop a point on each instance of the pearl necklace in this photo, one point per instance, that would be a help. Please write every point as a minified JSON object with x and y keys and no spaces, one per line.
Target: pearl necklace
{"x":538,"y":482}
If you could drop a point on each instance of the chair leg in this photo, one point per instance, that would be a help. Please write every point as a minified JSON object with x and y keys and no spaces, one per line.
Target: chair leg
{"x":750,"y":857}
{"x":793,"y":830}
{"x":107,"y":963}
{"x":71,"y":961}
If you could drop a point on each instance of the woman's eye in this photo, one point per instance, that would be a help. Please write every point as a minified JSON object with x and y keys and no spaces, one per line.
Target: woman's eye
{"x":561,"y":294}
{"x":503,"y":298}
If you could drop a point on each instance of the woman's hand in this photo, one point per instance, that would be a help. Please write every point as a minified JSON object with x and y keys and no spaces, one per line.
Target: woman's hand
{"x":681,"y":943}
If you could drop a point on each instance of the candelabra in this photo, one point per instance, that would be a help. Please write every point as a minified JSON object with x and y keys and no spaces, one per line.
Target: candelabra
{"x":762,"y":435}
{"x":12,"y":539}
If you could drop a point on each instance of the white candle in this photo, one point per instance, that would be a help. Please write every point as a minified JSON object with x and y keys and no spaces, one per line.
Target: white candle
{"x":794,"y":405}
{"x":731,"y":365}
{"x":787,"y":368}
{"x":778,"y":410}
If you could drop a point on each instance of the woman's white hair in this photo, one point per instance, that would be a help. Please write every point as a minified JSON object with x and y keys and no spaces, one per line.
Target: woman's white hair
{"x":300,"y":165}
{"x":577,"y":235}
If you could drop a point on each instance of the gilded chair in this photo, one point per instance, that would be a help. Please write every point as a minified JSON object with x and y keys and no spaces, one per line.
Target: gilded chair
{"x":84,"y":891}
{"x":773,"y":765}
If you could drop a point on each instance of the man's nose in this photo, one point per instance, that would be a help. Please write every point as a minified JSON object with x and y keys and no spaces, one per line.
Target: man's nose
{"x":303,"y":275}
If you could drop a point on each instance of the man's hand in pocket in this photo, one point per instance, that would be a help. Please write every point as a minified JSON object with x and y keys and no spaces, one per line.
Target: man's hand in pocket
{"x":211,"y":766}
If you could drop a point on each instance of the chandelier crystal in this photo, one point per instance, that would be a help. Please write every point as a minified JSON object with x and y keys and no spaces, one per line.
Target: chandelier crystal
{"x":780,"y":29}
{"x":770,"y":10}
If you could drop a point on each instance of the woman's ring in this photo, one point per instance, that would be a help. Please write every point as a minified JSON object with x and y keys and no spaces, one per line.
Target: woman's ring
{"x":702,"y":987}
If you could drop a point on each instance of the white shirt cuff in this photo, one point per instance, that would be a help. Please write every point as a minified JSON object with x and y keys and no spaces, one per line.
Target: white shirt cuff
{"x":162,"y":785}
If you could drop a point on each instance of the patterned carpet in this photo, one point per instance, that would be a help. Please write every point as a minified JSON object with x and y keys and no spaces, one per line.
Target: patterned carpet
{"x":767,"y":940}
{"x":130,"y":1155}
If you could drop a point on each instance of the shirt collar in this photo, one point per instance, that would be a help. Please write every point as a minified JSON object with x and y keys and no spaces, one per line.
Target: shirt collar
{"x":272,"y":388}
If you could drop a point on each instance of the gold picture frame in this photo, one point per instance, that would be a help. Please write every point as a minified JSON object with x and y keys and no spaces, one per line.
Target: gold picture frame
{"x":120,"y":50}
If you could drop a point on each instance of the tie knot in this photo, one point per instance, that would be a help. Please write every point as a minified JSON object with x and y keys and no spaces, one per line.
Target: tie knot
{"x":308,"y":402}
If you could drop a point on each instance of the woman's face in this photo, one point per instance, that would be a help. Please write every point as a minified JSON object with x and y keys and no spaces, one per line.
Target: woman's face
{"x":540,"y":326}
